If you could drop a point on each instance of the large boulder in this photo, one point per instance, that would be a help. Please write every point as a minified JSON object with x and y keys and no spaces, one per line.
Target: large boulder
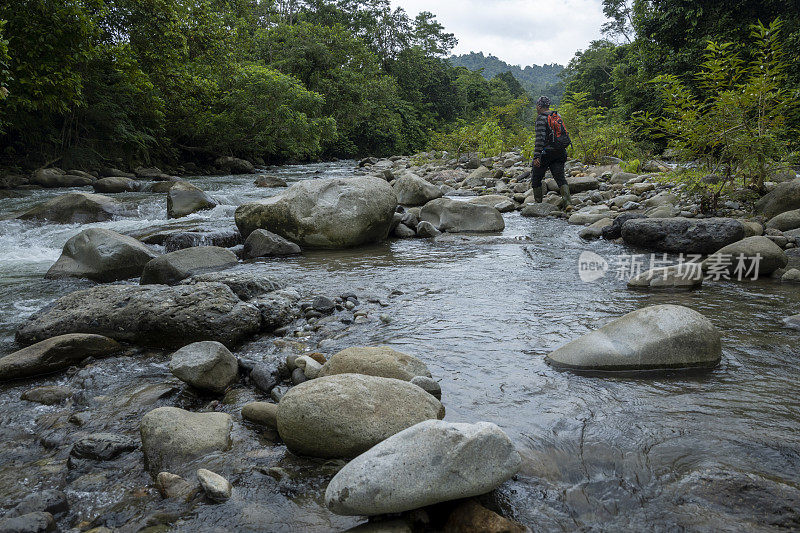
{"x":786,"y":221}
{"x":101,"y":255}
{"x":325,"y":213}
{"x":682,"y":235}
{"x":346,"y":414}
{"x":55,"y":177}
{"x":375,"y":361}
{"x":55,"y":353}
{"x":455,"y":216}
{"x":412,"y":190}
{"x":74,"y":208}
{"x":431,"y":462}
{"x":206,"y":365}
{"x":656,"y":337}
{"x":152,"y":315}
{"x":115,"y":184}
{"x":234,"y":165}
{"x":744,"y":254}
{"x":184,"y":199}
{"x":784,"y":197}
{"x":173,"y":267}
{"x":172,"y":437}
{"x":263,"y":243}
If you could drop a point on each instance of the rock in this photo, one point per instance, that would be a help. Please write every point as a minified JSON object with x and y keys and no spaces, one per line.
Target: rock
{"x":263,"y":413}
{"x":277,"y":310}
{"x":234,"y":165}
{"x":207,"y":365}
{"x":431,"y":462}
{"x":578,"y":184}
{"x":103,"y":446}
{"x":184,"y":199}
{"x":477,"y":178}
{"x":401,"y":231}
{"x":173,"y":267}
{"x":791,"y":276}
{"x":472,"y":516}
{"x":263,"y":243}
{"x":379,"y":361}
{"x":412,"y":190}
{"x":622,"y":177}
{"x":346,"y":414}
{"x":47,"y":395}
{"x":246,"y":285}
{"x":172,"y":486}
{"x":55,"y":177}
{"x":498,"y":201}
{"x":101,"y":255}
{"x":454,"y":216}
{"x":682,"y":235}
{"x":216,"y":487}
{"x":50,"y":500}
{"x":641,"y":188}
{"x":590,"y":215}
{"x":792,"y":322}
{"x":662,"y":198}
{"x":429,"y":385}
{"x":54,"y":354}
{"x":427,"y":230}
{"x":325,"y":213}
{"x":785,"y":197}
{"x":786,"y":221}
{"x":152,"y":173}
{"x":308,"y":366}
{"x":672,"y":277}
{"x":38,"y":522}
{"x":270,"y":182}
{"x":655,"y":337}
{"x":614,"y":231}
{"x":109,"y":172}
{"x":663,"y":211}
{"x":150,"y":315}
{"x":116,"y":184}
{"x":539,"y":210}
{"x":771,"y":259}
{"x":595,"y":231}
{"x":74,"y":208}
{"x":172,"y":437}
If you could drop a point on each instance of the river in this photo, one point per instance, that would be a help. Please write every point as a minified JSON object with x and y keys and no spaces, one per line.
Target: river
{"x":711,"y":451}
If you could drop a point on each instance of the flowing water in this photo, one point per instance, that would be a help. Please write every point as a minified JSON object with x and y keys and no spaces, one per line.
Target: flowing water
{"x":710,"y":451}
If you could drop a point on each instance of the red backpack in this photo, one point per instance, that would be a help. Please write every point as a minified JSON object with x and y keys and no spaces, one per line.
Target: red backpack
{"x":557,"y":133}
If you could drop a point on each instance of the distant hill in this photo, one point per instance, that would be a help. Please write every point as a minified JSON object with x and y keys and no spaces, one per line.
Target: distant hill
{"x":536,"y":79}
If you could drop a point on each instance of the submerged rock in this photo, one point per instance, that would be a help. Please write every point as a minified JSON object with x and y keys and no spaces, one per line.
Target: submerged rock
{"x":206,"y":365}
{"x":47,"y":395}
{"x":379,"y":361}
{"x":431,"y":462}
{"x":184,"y":199}
{"x":74,"y":208}
{"x":173,"y":437}
{"x":173,"y":267}
{"x":152,"y":315}
{"x":346,"y":414}
{"x":656,"y":337}
{"x":453,"y":216}
{"x":55,"y":353}
{"x":101,"y":255}
{"x":103,"y":446}
{"x":325,"y":213}
{"x":682,"y":235}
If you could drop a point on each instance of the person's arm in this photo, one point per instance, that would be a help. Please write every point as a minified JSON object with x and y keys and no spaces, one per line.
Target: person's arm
{"x":541,"y":133}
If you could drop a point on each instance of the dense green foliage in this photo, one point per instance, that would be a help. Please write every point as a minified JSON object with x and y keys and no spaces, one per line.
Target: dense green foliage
{"x":535,"y":79}
{"x":86,"y":82}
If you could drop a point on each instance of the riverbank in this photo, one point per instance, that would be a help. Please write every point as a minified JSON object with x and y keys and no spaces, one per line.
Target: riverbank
{"x":481,"y":311}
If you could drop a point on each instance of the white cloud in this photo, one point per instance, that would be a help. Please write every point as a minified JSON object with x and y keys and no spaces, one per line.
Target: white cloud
{"x":522,"y":32}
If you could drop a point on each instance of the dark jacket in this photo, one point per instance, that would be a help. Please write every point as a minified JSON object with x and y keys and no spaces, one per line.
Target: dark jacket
{"x":541,"y":135}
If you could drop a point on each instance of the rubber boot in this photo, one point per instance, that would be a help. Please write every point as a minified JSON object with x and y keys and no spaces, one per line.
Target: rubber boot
{"x":565,"y":195}
{"x":537,"y":194}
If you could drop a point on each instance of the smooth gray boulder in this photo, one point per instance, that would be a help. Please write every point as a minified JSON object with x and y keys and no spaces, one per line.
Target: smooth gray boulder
{"x":116,"y":184}
{"x":74,"y":208}
{"x":431,"y":462}
{"x":770,"y":257}
{"x":172,"y":438}
{"x":682,"y":235}
{"x":244,"y":284}
{"x":379,"y":361}
{"x":656,"y":337}
{"x":152,"y":315}
{"x":502,"y":203}
{"x":411,"y":190}
{"x":785,"y":197}
{"x":263,"y":413}
{"x":263,"y":243}
{"x":55,"y":177}
{"x":346,"y":414}
{"x":183,"y":199}
{"x":101,"y":255}
{"x":325,"y":213}
{"x":579,"y":184}
{"x":786,"y":221}
{"x":55,"y":353}
{"x":173,"y":267}
{"x":453,"y":216}
{"x":216,"y":487}
{"x":206,"y":365}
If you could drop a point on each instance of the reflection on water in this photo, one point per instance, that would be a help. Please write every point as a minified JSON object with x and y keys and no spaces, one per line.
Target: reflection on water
{"x":710,"y":451}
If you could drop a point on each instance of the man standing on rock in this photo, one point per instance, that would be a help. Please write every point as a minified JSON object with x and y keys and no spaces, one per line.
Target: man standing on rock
{"x":550,"y":151}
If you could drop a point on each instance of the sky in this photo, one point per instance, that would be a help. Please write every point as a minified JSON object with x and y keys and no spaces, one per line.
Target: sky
{"x":520,"y":32}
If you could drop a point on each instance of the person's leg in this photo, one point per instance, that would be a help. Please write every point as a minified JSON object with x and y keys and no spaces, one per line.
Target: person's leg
{"x":537,"y":174}
{"x":557,"y":169}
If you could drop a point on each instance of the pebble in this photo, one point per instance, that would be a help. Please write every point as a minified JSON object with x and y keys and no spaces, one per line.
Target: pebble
{"x":171,"y":485}
{"x":216,"y":487}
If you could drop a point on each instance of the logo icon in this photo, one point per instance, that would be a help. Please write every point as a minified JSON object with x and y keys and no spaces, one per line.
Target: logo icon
{"x":591,"y":267}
